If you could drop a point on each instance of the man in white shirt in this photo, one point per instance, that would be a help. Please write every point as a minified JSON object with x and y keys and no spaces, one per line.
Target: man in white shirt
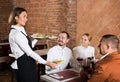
{"x":59,"y":52}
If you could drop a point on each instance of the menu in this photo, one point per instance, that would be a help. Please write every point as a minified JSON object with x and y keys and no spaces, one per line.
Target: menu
{"x":65,"y":75}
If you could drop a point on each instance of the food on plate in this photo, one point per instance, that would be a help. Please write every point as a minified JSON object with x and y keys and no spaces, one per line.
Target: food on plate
{"x":58,"y":61}
{"x":38,"y":35}
{"x":53,"y":37}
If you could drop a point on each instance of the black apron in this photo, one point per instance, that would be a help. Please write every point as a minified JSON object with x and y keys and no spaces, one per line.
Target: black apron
{"x":26,"y":71}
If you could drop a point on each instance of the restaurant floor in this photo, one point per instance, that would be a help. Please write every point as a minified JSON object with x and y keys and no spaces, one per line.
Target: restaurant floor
{"x":7,"y":78}
{"x":6,"y":75}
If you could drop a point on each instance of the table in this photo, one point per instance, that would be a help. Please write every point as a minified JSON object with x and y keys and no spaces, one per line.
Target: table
{"x":42,"y":52}
{"x":6,"y":43}
{"x":68,"y":75}
{"x":5,"y":59}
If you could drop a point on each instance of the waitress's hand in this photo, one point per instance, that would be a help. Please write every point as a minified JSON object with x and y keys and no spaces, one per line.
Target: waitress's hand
{"x":52,"y":65}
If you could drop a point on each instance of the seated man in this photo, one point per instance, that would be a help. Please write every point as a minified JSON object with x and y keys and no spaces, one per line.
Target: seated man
{"x":107,"y":69}
{"x":83,"y":51}
{"x":59,"y":54}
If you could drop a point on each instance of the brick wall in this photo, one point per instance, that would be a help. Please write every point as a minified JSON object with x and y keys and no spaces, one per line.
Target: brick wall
{"x":5,"y":8}
{"x":50,"y":17}
{"x":98,"y":17}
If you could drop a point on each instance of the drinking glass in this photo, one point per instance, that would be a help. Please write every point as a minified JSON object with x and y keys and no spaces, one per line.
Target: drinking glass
{"x":80,"y":60}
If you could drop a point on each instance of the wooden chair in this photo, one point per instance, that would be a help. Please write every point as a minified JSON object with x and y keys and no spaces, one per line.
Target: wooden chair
{"x":6,"y":60}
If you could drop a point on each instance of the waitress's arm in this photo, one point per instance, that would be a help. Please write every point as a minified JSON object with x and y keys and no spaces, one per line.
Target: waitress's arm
{"x":22,"y":42}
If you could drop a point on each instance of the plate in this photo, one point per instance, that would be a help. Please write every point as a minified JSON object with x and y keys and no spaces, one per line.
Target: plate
{"x":53,"y":37}
{"x":38,"y":36}
{"x":42,"y":36}
{"x":35,"y":37}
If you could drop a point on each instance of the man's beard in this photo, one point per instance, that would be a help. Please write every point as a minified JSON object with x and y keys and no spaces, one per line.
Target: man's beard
{"x":60,"y":43}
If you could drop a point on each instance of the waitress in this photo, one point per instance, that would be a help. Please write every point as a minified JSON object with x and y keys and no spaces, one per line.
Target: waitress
{"x":21,"y":46}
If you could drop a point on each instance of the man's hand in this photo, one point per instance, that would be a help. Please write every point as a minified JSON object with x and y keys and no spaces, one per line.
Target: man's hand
{"x":52,"y":65}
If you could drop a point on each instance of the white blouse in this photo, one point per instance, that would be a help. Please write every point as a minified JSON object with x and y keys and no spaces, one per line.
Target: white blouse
{"x":19,"y":46}
{"x":84,"y":52}
{"x":81,"y":52}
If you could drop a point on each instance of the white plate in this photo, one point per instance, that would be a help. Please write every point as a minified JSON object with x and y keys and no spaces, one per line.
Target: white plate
{"x":38,"y":37}
{"x":53,"y":37}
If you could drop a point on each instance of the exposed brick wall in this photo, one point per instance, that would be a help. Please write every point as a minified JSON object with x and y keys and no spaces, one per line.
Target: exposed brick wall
{"x":72,"y":21}
{"x":98,"y":17}
{"x":5,"y":8}
{"x":50,"y":17}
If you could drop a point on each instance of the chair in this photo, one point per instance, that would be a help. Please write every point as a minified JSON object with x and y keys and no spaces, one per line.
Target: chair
{"x":6,"y":60}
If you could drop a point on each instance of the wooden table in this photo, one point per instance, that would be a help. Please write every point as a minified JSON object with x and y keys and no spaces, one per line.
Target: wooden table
{"x":5,"y":59}
{"x":68,"y":75}
{"x":42,"y":52}
{"x":6,"y":43}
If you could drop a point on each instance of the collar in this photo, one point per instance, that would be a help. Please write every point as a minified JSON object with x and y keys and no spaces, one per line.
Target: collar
{"x":84,"y":47}
{"x":19,"y":28}
{"x":61,"y":47}
{"x":110,"y":53}
{"x":104,"y":56}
